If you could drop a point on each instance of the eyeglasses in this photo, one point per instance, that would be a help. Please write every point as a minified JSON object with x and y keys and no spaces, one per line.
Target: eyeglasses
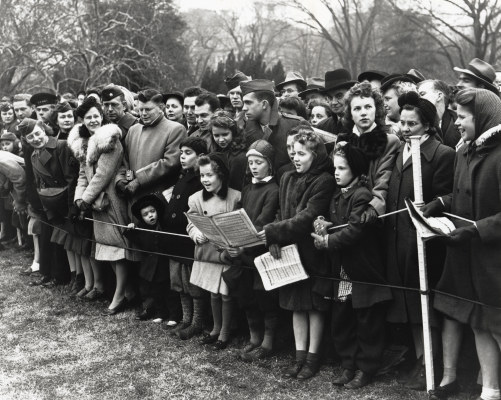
{"x":288,"y":91}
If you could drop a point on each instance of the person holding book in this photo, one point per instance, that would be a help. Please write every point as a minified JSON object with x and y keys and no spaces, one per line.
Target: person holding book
{"x":260,"y":202}
{"x":158,"y":300}
{"x":216,"y":197}
{"x":194,"y":300}
{"x":471,"y":268}
{"x":358,"y":310}
{"x":303,"y":195}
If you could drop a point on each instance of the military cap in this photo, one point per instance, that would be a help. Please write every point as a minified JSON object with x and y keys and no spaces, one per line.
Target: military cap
{"x":293,"y":77}
{"x":415,"y":75}
{"x":232,"y":82}
{"x":111,"y":92}
{"x":8,"y":136}
{"x":41,"y":99}
{"x":261,"y":85}
{"x":27,"y":125}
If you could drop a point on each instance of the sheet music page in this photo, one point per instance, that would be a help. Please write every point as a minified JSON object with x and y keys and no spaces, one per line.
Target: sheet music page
{"x":237,"y":228}
{"x":276,"y":273}
{"x":206,"y":226}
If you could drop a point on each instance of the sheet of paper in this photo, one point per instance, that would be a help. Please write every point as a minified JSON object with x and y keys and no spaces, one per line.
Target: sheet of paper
{"x":428,"y":227}
{"x":276,"y":273}
{"x":237,"y":228}
{"x":205,"y":225}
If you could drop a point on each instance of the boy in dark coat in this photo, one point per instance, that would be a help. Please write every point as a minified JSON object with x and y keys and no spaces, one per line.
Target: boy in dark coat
{"x":358,"y":315}
{"x":158,"y":299}
{"x":193,"y":299}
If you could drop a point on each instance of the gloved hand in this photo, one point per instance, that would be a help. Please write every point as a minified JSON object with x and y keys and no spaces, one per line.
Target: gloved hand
{"x":121,"y":185}
{"x":369,"y":216}
{"x":321,"y":225}
{"x":132,"y":187}
{"x":320,"y":241}
{"x":432,"y":209}
{"x":275,"y":251}
{"x":461,"y":235}
{"x":73,"y":213}
{"x":82,"y":205}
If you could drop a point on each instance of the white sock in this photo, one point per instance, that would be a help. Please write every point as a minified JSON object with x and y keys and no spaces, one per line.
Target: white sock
{"x":490,"y":394}
{"x":35,"y":266}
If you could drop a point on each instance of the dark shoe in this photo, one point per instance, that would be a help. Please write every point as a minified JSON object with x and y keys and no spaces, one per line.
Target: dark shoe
{"x":346,"y":376}
{"x":115,"y":310}
{"x":26,"y":272}
{"x":259,"y":353}
{"x":443,"y":392}
{"x":93,"y":295}
{"x":38,"y":282}
{"x":144,"y":315}
{"x":51,"y":284}
{"x":220,"y":345}
{"x":78,"y":285}
{"x":208,"y":339}
{"x":189,"y":332}
{"x":249,"y":347}
{"x":360,"y":380}
{"x":294,"y":369}
{"x":174,"y":331}
{"x":309,"y":370}
{"x":82,"y":293}
{"x":418,"y":381}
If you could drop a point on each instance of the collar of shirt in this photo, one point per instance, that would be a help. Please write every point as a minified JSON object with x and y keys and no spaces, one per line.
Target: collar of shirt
{"x":264,"y":180}
{"x":407,"y":147}
{"x":358,"y":133}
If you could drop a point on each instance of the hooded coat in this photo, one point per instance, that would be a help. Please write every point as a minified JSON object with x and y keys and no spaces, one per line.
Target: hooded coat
{"x":100,"y":157}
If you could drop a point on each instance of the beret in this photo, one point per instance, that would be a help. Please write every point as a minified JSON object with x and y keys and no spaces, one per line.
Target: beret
{"x":111,"y":92}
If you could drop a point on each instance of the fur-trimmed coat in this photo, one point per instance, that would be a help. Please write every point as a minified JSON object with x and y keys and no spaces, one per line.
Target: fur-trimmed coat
{"x":100,"y":157}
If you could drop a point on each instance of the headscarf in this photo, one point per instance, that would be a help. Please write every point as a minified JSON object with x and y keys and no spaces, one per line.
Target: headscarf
{"x":487,"y":111}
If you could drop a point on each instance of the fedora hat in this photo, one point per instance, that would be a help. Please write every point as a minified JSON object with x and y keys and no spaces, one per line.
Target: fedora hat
{"x":313,"y":85}
{"x":372,"y":74}
{"x":293,"y":77}
{"x":415,"y":75}
{"x":481,"y":71}
{"x":392,"y":78}
{"x":337,"y":79}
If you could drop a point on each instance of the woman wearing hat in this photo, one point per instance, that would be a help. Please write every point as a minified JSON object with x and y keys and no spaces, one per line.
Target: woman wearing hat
{"x":472,"y":262}
{"x":418,"y":117}
{"x":100,"y":153}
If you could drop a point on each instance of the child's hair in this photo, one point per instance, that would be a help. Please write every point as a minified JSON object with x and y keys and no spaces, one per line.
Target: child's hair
{"x":311,"y":140}
{"x":198,"y":145}
{"x":220,"y":168}
{"x":323,"y":104}
{"x":355,"y":157}
{"x":149,"y":200}
{"x":222,"y":119}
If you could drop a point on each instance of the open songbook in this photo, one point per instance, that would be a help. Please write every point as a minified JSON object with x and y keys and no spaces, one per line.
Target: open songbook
{"x":231,"y":229}
{"x":327,"y":137}
{"x":428,"y":227}
{"x":275,"y":273}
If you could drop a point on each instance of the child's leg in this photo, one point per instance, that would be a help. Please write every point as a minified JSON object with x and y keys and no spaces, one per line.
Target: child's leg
{"x":488,"y":355}
{"x":254,"y":320}
{"x":343,"y":330}
{"x":36,"y":254}
{"x":199,"y":310}
{"x":316,"y":330}
{"x":217,"y":313}
{"x":97,"y":273}
{"x":370,"y":337}
{"x":226,"y":312}
{"x":452,"y":336}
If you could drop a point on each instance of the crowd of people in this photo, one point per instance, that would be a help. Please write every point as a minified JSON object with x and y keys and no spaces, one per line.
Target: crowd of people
{"x":106,"y":178}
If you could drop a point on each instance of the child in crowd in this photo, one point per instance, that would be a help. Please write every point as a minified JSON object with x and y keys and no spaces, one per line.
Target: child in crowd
{"x":260,"y":202}
{"x":194,"y":300}
{"x":9,"y":142}
{"x":158,"y":300}
{"x":358,"y":312}
{"x":216,"y":197}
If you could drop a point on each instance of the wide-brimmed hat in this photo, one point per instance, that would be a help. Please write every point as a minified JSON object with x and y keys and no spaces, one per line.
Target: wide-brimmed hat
{"x":313,"y":85}
{"x":337,"y":79}
{"x":176,"y":95}
{"x":372,"y":74}
{"x":392,"y":78}
{"x":293,"y":77}
{"x":482,"y":71}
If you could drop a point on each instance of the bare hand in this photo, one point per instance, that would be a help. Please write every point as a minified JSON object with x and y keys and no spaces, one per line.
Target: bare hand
{"x":275,"y":251}
{"x":234,"y":251}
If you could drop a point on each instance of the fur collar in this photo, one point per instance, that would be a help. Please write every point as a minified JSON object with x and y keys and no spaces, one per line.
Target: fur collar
{"x":487,"y":135}
{"x":373,"y":143}
{"x":89,"y":149}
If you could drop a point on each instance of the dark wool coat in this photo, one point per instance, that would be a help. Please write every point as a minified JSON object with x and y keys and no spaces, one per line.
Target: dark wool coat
{"x":55,"y":167}
{"x":355,"y":248}
{"x":401,"y":244}
{"x":450,"y":132}
{"x":125,"y":123}
{"x":174,"y":219}
{"x":280,"y":125}
{"x":237,"y":163}
{"x":294,"y":224}
{"x":381,"y":148}
{"x":472,"y":270}
{"x":153,"y":267}
{"x":331,"y":124}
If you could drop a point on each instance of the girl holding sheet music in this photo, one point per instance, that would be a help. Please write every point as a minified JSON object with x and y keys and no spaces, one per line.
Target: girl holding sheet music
{"x":303,"y":195}
{"x":358,"y":310}
{"x":216,"y":197}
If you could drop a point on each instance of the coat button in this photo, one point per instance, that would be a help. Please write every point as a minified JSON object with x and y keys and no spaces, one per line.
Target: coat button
{"x":178,"y":196}
{"x":205,"y":212}
{"x":173,"y":215}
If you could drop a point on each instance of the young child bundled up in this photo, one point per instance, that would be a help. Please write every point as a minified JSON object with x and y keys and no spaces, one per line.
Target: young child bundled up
{"x":260,"y":202}
{"x":215,"y":198}
{"x":154,"y":286}
{"x":194,"y":301}
{"x":358,"y":311}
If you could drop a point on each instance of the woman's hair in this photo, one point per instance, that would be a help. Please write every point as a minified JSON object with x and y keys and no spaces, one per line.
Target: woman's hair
{"x":294,"y":103}
{"x":61,"y":108}
{"x":216,"y":167}
{"x":222,"y":119}
{"x":432,"y":130}
{"x":363,"y":89}
{"x":5,"y":106}
{"x":466,"y":98}
{"x":323,"y":104}
{"x":310,"y":140}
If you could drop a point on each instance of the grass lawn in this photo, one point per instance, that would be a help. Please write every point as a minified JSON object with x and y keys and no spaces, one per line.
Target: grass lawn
{"x":54,"y":347}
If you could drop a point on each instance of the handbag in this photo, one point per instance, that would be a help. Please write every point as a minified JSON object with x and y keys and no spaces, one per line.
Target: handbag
{"x":54,"y":198}
{"x":101,"y":203}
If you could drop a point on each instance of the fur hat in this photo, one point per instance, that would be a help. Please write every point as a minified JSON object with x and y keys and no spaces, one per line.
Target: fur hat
{"x":262,"y":148}
{"x":428,"y":110}
{"x":87,"y":104}
{"x":355,"y":157}
{"x":145,"y":201}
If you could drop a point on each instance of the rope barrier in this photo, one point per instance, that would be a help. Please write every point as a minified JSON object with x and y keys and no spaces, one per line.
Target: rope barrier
{"x":330,"y":278}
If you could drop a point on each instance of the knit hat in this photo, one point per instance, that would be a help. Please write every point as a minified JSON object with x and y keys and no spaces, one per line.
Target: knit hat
{"x":87,"y":104}
{"x":427,"y":108}
{"x":27,"y":125}
{"x":262,"y":148}
{"x":8,"y":136}
{"x":145,"y":201}
{"x":198,"y":145}
{"x":355,"y":157}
